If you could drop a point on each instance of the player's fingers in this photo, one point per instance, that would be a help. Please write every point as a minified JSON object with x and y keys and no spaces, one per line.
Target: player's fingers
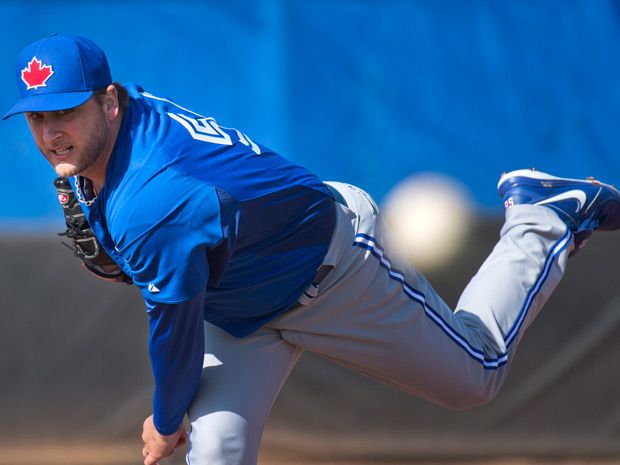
{"x":151,"y":460}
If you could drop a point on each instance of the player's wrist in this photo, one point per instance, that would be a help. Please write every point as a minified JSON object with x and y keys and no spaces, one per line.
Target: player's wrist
{"x":166,"y":431}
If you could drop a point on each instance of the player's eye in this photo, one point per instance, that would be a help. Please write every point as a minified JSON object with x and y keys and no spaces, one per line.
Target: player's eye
{"x":64,"y":112}
{"x":33,"y":116}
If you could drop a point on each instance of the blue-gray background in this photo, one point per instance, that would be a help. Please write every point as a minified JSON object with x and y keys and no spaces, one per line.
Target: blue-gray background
{"x":360,"y":91}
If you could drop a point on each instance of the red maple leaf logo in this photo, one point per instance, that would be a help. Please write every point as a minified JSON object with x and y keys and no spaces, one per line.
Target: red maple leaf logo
{"x":36,"y":73}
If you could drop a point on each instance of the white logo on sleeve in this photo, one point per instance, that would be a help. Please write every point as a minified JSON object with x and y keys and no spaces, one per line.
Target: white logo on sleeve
{"x":152,"y":288}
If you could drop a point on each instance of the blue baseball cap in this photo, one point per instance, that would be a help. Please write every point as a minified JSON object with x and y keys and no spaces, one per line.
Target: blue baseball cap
{"x":58,"y":73}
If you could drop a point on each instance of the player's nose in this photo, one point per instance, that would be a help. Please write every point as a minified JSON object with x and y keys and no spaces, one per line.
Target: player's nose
{"x":51,"y":130}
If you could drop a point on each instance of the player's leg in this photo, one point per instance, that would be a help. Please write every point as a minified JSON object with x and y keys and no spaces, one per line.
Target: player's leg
{"x":385,"y":320}
{"x":240,"y":381}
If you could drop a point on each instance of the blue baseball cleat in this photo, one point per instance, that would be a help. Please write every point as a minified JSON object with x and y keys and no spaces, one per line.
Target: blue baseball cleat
{"x":583,"y":204}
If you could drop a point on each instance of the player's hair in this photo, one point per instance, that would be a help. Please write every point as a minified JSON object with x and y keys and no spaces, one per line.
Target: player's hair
{"x":123,"y":96}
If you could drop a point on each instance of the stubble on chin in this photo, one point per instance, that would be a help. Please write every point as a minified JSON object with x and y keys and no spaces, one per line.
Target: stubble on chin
{"x":66,"y":170}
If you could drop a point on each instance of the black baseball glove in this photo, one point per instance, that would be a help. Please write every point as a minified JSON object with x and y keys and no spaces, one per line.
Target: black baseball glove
{"x":84,"y":243}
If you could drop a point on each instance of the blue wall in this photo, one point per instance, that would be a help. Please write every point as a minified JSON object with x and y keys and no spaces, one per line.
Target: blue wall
{"x":360,"y":91}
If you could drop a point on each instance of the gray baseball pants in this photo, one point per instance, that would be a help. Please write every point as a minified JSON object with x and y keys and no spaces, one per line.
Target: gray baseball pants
{"x":382,"y":319}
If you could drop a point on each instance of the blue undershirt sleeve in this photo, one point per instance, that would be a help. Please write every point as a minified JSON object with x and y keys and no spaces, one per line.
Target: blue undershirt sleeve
{"x":176,"y":349}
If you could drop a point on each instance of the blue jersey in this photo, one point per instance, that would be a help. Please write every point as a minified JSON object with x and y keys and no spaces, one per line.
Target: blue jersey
{"x":209,"y":225}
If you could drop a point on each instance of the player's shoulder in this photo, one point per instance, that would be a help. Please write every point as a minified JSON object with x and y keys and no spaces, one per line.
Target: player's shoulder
{"x":144,"y":107}
{"x":161,"y":102}
{"x":147,"y":135}
{"x":133,"y":89}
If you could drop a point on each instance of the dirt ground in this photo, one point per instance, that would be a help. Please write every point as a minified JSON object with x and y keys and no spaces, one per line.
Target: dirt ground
{"x":90,"y":454}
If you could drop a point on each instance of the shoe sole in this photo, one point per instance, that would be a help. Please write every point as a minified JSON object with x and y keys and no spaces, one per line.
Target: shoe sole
{"x":539,"y":175}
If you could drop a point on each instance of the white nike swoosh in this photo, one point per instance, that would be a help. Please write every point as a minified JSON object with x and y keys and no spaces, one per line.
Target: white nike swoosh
{"x":575,"y":194}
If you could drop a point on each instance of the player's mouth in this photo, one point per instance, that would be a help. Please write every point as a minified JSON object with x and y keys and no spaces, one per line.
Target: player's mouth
{"x":62,"y":152}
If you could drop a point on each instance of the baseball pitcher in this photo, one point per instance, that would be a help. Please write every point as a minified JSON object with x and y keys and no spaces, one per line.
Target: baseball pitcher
{"x":246,"y":260}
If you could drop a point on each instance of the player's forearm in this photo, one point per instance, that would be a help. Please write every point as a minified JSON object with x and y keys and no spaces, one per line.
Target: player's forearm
{"x":176,"y":348}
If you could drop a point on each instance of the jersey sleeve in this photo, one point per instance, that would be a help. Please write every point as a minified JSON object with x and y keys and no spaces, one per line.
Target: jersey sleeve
{"x":166,"y":226}
{"x":176,"y":349}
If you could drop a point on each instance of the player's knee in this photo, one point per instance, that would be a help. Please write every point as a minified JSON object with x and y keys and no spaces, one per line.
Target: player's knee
{"x":471,"y":395}
{"x":216,"y":451}
{"x":220,"y":439}
{"x":472,"y":399}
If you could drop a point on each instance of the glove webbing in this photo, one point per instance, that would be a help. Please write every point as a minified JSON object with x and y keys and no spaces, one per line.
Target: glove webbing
{"x":84,"y":244}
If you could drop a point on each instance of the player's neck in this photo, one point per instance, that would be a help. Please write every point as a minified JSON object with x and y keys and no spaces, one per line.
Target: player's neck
{"x":96,"y":172}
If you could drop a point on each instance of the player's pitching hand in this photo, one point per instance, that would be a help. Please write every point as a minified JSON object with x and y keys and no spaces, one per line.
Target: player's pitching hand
{"x":156,"y":445}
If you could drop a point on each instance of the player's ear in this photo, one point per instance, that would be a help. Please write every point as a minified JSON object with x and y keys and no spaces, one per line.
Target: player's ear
{"x":110,"y":101}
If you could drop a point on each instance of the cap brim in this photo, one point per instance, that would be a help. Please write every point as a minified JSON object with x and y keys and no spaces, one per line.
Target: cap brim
{"x":49,"y":102}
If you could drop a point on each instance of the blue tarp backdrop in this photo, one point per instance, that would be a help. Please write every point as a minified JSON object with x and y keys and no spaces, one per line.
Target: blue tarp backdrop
{"x":360,"y":91}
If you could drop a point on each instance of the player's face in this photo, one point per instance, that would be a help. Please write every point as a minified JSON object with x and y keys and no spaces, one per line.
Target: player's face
{"x":73,"y":141}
